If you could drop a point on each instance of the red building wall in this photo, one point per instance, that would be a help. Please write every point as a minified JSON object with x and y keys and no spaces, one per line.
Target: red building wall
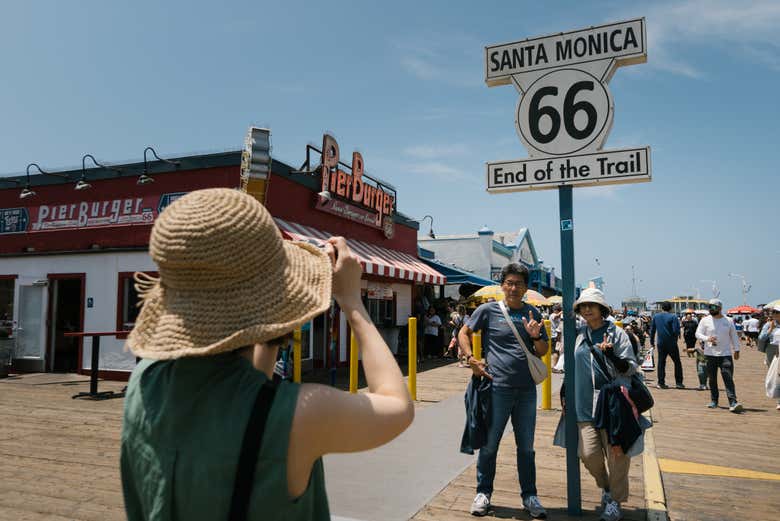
{"x":287,"y":200}
{"x":55,"y":196}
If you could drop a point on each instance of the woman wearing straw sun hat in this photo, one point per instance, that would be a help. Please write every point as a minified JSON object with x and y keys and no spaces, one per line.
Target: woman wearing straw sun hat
{"x":206,"y":433}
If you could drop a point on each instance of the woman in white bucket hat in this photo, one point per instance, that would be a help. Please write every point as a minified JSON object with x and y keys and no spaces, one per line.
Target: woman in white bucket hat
{"x":607,"y":464}
{"x":206,"y":434}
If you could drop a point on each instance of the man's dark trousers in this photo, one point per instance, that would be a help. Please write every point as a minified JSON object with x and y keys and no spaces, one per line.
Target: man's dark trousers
{"x":672,"y":351}
{"x":726,"y":364}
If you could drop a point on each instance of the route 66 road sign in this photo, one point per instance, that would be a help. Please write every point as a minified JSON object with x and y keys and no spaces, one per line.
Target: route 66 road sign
{"x":566,"y":111}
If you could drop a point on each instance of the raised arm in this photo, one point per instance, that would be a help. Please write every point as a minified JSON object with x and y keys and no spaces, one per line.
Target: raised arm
{"x":328,"y":420}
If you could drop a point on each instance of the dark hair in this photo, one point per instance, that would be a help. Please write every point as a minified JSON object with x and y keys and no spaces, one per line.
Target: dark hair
{"x":666,"y":306}
{"x":514,"y":268}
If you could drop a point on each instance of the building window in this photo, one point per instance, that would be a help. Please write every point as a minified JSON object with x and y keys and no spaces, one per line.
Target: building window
{"x":381,"y":310}
{"x":127,"y":302}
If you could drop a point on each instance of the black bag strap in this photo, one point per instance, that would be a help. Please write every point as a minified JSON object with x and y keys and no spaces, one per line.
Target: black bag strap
{"x":250,"y":449}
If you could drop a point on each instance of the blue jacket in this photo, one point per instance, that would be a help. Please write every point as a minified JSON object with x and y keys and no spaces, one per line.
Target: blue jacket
{"x":668,"y":328}
{"x":477,"y":401}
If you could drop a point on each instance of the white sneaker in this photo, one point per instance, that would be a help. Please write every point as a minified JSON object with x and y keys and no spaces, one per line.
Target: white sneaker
{"x":480,"y":505}
{"x":612,"y":512}
{"x":606,"y":498}
{"x":736,"y":407}
{"x":534,"y":507}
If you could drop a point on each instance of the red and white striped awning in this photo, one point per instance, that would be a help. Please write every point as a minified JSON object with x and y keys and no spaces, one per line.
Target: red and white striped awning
{"x":374,"y":259}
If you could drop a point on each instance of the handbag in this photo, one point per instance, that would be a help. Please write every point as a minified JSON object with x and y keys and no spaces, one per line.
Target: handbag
{"x":536,"y":365}
{"x":773,"y":379}
{"x":637,"y":390}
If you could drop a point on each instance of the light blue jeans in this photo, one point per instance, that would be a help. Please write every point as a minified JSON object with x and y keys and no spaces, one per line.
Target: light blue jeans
{"x":520,"y":405}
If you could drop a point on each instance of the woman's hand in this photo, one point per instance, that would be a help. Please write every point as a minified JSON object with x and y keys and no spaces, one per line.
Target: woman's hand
{"x":606,"y":344}
{"x":346,"y":273}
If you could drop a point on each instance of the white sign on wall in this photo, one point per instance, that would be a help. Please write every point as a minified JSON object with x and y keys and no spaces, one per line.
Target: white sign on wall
{"x":565,"y":110}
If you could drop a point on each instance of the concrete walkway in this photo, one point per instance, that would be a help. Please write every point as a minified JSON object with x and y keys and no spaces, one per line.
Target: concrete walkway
{"x":395,"y":481}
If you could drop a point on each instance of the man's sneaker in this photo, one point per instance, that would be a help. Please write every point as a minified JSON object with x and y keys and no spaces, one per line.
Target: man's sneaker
{"x":680,"y":386}
{"x":662,"y":386}
{"x":735,"y":407}
{"x":713,"y":405}
{"x":534,"y":507}
{"x":612,"y":512}
{"x":606,"y":498}
{"x":702,"y":387}
{"x":480,"y":505}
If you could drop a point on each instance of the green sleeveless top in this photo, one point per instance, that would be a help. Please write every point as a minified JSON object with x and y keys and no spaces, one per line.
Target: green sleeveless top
{"x":184,"y":423}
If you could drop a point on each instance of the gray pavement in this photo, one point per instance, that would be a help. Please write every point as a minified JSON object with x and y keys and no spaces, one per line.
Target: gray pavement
{"x":393,"y":482}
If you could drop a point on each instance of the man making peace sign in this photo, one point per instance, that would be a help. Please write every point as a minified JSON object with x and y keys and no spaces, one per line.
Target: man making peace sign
{"x":513,"y":391}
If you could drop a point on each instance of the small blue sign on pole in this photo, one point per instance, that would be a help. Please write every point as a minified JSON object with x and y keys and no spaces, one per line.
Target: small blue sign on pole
{"x":567,"y":225}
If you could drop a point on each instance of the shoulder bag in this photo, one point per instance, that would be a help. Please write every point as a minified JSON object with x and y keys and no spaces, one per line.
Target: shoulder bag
{"x":637,"y":390}
{"x":536,"y":365}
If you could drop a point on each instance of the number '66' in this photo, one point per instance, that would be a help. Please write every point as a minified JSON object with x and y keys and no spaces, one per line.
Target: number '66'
{"x":570,"y":109}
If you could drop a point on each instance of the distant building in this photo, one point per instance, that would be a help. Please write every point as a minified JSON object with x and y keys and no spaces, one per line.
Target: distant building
{"x":636,"y":304}
{"x":681,"y":303}
{"x":485,"y":253}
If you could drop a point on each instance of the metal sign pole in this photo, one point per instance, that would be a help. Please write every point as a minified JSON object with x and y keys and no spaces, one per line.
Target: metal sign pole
{"x":569,"y":333}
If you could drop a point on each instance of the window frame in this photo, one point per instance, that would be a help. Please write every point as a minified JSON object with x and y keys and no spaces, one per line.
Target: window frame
{"x":123,"y":276}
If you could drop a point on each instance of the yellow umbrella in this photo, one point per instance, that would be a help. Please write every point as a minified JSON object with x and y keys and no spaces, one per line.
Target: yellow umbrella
{"x":555,"y":299}
{"x":773,"y":304}
{"x":494,"y":292}
{"x":535,"y":298}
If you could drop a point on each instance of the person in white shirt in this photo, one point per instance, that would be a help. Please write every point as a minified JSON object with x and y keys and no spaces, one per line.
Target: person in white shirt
{"x":721,"y":348}
{"x":752,"y":329}
{"x":432,"y":324}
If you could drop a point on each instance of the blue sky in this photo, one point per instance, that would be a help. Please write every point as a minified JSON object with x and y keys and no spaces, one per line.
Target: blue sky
{"x":402,"y":82}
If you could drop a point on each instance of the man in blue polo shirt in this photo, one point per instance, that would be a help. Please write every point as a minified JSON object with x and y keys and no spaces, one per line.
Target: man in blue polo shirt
{"x":666,"y":326}
{"x":513,"y":392}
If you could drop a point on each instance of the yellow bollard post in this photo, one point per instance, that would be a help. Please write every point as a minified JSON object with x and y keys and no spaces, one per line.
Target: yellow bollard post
{"x":353,"y":364}
{"x":476,"y":344}
{"x":547,"y":384}
{"x":297,"y":356}
{"x":412,"y":352}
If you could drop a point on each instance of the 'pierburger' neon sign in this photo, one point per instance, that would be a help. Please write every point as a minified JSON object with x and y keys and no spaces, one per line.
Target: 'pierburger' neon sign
{"x":376,"y":205}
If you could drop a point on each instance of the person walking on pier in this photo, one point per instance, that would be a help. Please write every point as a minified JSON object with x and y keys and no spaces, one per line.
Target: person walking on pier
{"x":769,"y":339}
{"x":664,"y":332}
{"x":513,"y":391}
{"x":689,"y":325}
{"x":721,"y":348}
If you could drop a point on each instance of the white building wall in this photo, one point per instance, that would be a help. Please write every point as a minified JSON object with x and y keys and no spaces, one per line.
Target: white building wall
{"x":467,"y":254}
{"x":102,"y":282}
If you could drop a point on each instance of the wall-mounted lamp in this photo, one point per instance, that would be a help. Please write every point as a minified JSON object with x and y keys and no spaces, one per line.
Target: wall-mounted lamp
{"x":27,"y":192}
{"x":145,"y":178}
{"x":324,"y":195}
{"x":82,"y":183}
{"x":430,"y":232}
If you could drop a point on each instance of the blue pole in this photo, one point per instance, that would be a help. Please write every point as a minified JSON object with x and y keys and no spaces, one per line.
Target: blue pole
{"x":566,"y":209}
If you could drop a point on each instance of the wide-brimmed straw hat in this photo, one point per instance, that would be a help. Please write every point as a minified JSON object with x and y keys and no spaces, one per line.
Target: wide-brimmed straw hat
{"x":227,"y":279}
{"x":592,"y":295}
